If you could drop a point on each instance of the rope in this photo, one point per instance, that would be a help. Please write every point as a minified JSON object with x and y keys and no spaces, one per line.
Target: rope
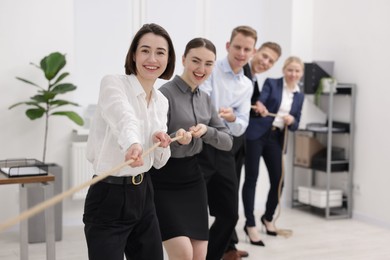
{"x":60,"y":197}
{"x":282,"y":232}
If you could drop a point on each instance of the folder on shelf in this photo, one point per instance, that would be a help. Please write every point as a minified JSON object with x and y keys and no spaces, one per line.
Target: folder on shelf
{"x":23,"y":167}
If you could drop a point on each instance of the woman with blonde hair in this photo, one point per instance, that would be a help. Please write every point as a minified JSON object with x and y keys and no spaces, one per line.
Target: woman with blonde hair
{"x":265,"y":137}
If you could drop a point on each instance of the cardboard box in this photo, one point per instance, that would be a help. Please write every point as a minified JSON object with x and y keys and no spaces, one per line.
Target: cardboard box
{"x":318,"y":198}
{"x":305,"y":147}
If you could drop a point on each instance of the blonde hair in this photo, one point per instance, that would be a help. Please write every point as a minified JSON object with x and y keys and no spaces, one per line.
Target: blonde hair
{"x":292,"y":59}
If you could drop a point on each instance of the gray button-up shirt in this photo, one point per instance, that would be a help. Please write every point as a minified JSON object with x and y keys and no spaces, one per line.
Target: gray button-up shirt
{"x":186,"y":109}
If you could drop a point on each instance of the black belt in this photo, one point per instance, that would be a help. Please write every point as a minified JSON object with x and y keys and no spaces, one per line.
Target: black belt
{"x":134,"y":180}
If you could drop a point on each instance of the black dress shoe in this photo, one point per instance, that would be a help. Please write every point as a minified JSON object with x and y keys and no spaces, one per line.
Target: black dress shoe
{"x":256,"y":243}
{"x":269,"y":232}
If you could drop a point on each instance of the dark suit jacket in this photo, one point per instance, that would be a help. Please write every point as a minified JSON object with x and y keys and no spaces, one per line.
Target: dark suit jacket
{"x":256,"y":92}
{"x":271,"y":97}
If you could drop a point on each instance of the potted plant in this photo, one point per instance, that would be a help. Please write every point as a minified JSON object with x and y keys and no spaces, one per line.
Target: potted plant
{"x":325,"y":85}
{"x":46,"y":104}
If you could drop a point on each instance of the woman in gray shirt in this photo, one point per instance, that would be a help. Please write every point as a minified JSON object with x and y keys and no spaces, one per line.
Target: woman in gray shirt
{"x":180,"y":190}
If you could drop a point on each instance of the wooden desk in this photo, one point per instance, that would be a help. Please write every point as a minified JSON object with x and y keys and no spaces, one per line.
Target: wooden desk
{"x":47,"y":182}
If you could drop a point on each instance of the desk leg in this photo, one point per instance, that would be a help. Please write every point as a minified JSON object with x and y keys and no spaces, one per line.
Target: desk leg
{"x":23,"y":224}
{"x":49,"y":227}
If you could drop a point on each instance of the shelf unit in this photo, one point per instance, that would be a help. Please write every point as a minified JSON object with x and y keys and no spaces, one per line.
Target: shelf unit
{"x":330,"y":173}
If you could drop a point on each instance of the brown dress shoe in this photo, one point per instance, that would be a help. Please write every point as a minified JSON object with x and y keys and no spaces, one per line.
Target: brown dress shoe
{"x":242,"y":253}
{"x":231,"y":255}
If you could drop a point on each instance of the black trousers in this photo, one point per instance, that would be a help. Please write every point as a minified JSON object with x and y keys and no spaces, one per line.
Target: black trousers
{"x":222,"y":191}
{"x":238,"y":151}
{"x":270,"y":147}
{"x":121,"y":220}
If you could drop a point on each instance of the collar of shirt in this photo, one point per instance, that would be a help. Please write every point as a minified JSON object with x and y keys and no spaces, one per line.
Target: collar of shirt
{"x":183,"y":86}
{"x":139,"y":90}
{"x":296,"y":87}
{"x":227,"y":69}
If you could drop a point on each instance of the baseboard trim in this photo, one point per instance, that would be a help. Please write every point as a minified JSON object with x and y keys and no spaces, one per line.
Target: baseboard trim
{"x":370,"y":220}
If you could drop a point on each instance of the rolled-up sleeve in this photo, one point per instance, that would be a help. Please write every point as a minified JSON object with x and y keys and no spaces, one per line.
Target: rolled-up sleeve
{"x":161,"y":155}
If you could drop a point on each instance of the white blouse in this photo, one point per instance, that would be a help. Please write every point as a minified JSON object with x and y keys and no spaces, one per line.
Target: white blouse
{"x":285,"y":106}
{"x":123,"y":118}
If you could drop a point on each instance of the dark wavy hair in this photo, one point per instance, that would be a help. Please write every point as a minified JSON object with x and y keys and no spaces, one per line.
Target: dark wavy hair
{"x":156,"y":29}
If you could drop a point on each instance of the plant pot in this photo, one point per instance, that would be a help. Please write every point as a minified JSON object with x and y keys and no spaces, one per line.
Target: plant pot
{"x":35,"y":195}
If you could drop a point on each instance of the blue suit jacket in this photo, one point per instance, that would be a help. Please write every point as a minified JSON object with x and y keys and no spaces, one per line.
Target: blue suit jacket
{"x":271,"y":97}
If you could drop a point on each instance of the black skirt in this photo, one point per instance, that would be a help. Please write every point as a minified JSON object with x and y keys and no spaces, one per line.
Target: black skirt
{"x":180,"y":196}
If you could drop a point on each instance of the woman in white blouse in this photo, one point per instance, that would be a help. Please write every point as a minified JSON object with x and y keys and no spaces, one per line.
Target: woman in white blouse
{"x":131,"y":116}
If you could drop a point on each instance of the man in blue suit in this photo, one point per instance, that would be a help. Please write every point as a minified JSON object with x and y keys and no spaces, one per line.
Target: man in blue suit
{"x":263,"y":60}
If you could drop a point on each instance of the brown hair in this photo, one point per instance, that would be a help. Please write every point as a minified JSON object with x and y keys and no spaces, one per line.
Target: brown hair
{"x":200,"y":42}
{"x":273,"y":46}
{"x":130,"y":66}
{"x":244,"y":30}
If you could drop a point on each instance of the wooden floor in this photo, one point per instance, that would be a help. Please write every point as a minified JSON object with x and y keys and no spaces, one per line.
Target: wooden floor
{"x":313,"y":238}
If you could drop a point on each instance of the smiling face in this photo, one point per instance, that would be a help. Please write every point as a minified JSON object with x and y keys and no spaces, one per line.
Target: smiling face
{"x":263,"y":60}
{"x":198,"y":65}
{"x":292,"y":72}
{"x":240,"y":49}
{"x":151,"y":57}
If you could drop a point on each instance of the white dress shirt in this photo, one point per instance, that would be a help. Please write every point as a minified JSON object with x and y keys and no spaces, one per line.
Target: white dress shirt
{"x":123,"y":118}
{"x":285,"y":105}
{"x":227,"y":89}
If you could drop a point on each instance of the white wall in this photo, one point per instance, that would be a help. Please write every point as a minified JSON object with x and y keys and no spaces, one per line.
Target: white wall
{"x":102,"y":35}
{"x":29,"y":30}
{"x":96,"y":35}
{"x":356,"y":35}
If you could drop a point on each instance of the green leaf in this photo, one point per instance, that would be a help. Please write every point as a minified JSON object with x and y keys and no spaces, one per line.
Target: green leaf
{"x":16,"y":104}
{"x":35,"y":65}
{"x":61,"y":102}
{"x":63,"y":88}
{"x":39,"y":98}
{"x":61,"y":77}
{"x":52,"y":64}
{"x":49,"y":95}
{"x":71,"y":115}
{"x":45,"y":97}
{"x":35,"y":113}
{"x":28,"y":82}
{"x":29,"y":103}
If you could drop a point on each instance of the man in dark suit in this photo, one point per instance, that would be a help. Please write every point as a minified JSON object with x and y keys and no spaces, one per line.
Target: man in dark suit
{"x":264,"y":59}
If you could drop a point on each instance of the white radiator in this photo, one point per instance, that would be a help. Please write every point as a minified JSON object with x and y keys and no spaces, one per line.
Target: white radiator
{"x":81,"y":168}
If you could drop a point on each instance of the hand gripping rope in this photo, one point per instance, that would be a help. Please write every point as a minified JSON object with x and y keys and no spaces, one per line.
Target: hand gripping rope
{"x":58,"y":198}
